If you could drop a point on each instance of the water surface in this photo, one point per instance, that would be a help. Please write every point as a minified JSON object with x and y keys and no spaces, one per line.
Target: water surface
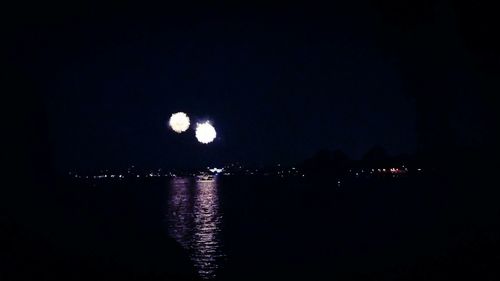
{"x":195,"y":221}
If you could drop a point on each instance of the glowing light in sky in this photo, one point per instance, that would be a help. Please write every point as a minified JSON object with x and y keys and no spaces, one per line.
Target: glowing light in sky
{"x":179,"y":122}
{"x":205,"y":132}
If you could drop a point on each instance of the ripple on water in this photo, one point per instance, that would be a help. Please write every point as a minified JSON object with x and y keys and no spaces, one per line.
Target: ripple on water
{"x":195,"y":221}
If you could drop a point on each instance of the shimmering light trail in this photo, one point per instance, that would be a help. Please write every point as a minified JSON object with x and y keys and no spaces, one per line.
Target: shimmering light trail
{"x":195,"y":221}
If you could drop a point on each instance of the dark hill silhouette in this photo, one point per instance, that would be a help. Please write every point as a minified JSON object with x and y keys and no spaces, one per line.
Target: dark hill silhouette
{"x":326,"y":162}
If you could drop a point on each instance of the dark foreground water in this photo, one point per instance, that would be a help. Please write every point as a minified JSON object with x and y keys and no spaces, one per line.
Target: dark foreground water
{"x":256,"y":228}
{"x":263,"y":228}
{"x":267,"y":228}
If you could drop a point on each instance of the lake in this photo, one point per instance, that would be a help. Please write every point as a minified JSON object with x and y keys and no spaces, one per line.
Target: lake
{"x":260,"y":228}
{"x":251,"y":227}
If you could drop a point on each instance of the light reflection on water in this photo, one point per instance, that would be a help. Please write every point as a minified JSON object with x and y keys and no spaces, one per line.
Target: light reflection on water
{"x":195,"y":221}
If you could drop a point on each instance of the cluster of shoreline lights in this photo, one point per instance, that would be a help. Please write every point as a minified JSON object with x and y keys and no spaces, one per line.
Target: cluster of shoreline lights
{"x":205,"y":133}
{"x":382,"y":171}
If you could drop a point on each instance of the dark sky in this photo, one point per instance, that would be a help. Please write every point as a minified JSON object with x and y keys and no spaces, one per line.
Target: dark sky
{"x":278,"y":84}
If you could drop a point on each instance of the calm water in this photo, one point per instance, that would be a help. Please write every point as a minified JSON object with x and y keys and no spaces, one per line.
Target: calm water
{"x":195,"y":221}
{"x":246,"y":228}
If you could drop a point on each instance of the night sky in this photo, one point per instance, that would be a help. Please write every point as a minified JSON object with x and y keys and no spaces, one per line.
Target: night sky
{"x":278,"y":84}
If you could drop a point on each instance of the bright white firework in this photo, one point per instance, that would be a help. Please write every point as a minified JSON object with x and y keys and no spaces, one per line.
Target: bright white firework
{"x":179,"y":122}
{"x":205,"y":132}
